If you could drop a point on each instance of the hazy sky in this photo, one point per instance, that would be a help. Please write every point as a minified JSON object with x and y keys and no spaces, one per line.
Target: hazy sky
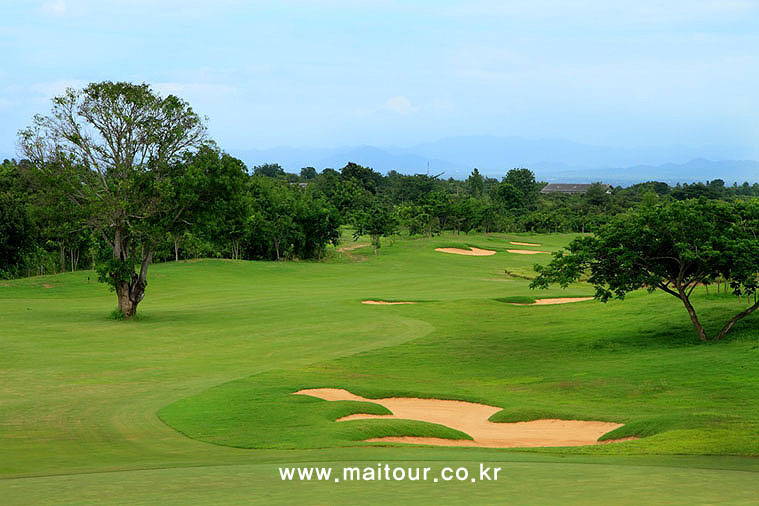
{"x":343,"y":72}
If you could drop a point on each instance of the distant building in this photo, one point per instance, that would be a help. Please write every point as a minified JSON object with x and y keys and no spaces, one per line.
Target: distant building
{"x":570,"y":188}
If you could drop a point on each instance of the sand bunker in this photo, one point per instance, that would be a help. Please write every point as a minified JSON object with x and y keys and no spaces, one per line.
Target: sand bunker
{"x":474,"y":252}
{"x":524,"y":243}
{"x":472,"y":419}
{"x":384,"y":302}
{"x":525,"y":251}
{"x":559,"y":300}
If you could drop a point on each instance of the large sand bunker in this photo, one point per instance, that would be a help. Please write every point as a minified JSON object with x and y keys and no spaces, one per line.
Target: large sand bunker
{"x":472,"y":419}
{"x":474,"y":252}
{"x":525,"y":251}
{"x":384,"y":302}
{"x":558,"y":300}
{"x":524,"y":243}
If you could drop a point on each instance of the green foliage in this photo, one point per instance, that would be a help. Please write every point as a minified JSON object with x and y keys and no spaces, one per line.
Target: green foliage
{"x":523,"y":181}
{"x":476,"y":184}
{"x":376,"y":221}
{"x":308,"y":173}
{"x":288,"y":222}
{"x":673,"y":248}
{"x":16,"y":233}
{"x":268,"y":170}
{"x":117,"y":314}
{"x":116,"y":271}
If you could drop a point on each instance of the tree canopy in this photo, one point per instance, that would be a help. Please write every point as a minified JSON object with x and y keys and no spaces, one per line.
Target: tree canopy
{"x":673,"y":248}
{"x":111,"y":148}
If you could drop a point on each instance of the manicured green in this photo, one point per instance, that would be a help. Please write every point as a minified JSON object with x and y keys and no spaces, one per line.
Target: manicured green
{"x":219,"y":347}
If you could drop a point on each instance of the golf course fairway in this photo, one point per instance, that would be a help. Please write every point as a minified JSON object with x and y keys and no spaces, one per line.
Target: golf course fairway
{"x":191,"y":402}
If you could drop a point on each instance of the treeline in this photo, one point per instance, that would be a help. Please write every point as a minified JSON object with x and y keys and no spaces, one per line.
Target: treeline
{"x":227,"y":211}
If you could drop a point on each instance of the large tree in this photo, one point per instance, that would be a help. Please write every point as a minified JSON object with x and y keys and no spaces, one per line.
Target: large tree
{"x":112,"y":148}
{"x":673,"y":248}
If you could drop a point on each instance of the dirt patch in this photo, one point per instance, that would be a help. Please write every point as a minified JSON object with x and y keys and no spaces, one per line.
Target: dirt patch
{"x":384,"y":302}
{"x":473,"y":252}
{"x":524,"y":243}
{"x":343,"y":249}
{"x":47,"y":285}
{"x":525,"y":251}
{"x":472,"y":419}
{"x":559,"y":300}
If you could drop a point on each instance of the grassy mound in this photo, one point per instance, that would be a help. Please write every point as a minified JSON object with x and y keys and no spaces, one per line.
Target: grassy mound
{"x":259,"y":412}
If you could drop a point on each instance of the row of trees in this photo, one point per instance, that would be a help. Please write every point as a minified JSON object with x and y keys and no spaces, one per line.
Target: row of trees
{"x":118,"y":177}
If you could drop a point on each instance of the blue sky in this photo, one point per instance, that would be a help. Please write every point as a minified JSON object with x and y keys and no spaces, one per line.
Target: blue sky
{"x":326,"y":73}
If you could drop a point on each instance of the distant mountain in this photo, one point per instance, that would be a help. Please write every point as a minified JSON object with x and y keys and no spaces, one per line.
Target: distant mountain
{"x":385,"y":160}
{"x":490,"y":153}
{"x":291,"y":159}
{"x":554,"y":160}
{"x":731,"y":171}
{"x":381,"y":159}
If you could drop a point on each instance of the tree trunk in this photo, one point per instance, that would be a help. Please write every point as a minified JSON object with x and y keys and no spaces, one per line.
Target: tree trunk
{"x":734,"y":320}
{"x":126,"y":306}
{"x":63,"y":258}
{"x":130,"y":292}
{"x":693,"y":318}
{"x":176,"y":248}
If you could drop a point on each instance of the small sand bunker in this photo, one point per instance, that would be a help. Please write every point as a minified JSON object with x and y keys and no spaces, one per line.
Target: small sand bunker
{"x":525,"y":251}
{"x":524,"y":243}
{"x":472,"y":419}
{"x":473,"y":252}
{"x":559,"y":300}
{"x":384,"y":302}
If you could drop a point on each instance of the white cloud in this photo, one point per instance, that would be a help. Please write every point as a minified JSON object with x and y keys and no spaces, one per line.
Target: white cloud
{"x":55,"y":8}
{"x":52,"y":89}
{"x":194,"y":91}
{"x":398,"y":104}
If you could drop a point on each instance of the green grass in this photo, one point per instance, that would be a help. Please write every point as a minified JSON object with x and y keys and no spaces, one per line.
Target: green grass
{"x":220,"y":346}
{"x":525,"y":299}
